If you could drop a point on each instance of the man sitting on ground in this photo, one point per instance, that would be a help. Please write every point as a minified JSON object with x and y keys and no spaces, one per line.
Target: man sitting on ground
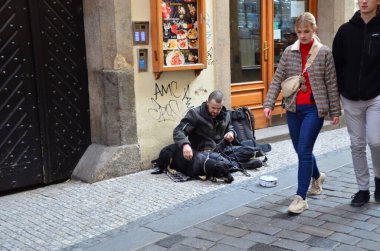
{"x":205,"y":126}
{"x":208,"y":128}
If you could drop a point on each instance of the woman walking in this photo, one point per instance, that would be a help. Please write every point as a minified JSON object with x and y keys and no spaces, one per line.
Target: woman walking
{"x":316,"y":98}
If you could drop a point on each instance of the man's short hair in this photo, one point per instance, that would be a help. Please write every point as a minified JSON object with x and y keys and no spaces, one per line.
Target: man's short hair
{"x":217,"y":96}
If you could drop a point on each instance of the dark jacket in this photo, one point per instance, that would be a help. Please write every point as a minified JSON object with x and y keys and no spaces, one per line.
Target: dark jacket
{"x":200,"y":130}
{"x":356,"y":51}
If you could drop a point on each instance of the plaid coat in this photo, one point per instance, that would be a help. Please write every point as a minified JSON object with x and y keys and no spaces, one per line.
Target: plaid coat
{"x":322,"y":78}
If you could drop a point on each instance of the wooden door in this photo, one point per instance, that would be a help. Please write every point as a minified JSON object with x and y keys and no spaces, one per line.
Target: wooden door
{"x":44,"y":107}
{"x":61,"y":76}
{"x":20,"y":138}
{"x":260,"y":31}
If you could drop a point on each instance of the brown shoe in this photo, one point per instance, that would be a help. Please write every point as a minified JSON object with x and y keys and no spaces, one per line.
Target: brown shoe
{"x":316,"y":185}
{"x":298,"y":205}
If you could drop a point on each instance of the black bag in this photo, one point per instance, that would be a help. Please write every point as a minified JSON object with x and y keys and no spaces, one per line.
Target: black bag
{"x":243,"y":122}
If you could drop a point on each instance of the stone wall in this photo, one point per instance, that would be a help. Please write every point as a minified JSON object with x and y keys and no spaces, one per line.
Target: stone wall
{"x":161,"y":103}
{"x":332,"y":14}
{"x":132,"y":114}
{"x":115,"y":150}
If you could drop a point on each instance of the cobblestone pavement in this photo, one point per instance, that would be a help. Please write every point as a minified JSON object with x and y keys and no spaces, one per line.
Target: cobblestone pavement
{"x":64,"y":215}
{"x":264,"y":224}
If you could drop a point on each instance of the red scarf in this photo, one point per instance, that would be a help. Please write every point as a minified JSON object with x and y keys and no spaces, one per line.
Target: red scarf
{"x":304,"y":98}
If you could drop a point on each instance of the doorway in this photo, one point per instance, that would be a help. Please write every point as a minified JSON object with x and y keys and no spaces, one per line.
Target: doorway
{"x":260,"y":30}
{"x":44,"y":107}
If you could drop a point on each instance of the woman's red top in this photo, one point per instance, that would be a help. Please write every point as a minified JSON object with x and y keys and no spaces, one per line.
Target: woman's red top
{"x":305,"y":98}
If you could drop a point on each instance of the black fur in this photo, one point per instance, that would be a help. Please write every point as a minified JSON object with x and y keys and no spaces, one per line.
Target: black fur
{"x":171,"y":156}
{"x":214,"y":169}
{"x":164,"y":158}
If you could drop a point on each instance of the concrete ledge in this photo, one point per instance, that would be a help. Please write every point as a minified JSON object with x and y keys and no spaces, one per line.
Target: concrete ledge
{"x":101,"y":162}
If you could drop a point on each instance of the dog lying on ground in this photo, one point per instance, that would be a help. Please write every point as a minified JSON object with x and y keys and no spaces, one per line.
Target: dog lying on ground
{"x":201,"y":165}
{"x":211,"y":168}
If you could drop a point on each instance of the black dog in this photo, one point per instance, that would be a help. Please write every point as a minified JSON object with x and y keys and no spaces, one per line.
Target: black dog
{"x":201,"y":165}
{"x":211,"y":168}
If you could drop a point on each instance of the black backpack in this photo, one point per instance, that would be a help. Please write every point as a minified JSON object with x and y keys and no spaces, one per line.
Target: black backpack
{"x":243,"y":122}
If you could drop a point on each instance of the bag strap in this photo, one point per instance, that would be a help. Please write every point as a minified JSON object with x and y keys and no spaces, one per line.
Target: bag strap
{"x":252,"y":120}
{"x":310,"y":60}
{"x":245,"y":111}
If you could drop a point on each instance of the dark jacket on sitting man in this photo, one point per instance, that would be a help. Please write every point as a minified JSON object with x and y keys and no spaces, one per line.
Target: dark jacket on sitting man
{"x":200,"y":130}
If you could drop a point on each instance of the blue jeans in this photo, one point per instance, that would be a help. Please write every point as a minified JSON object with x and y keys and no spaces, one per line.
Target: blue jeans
{"x":304,"y":127}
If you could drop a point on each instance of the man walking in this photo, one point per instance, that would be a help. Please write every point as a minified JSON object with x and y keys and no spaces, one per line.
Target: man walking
{"x":356,"y":51}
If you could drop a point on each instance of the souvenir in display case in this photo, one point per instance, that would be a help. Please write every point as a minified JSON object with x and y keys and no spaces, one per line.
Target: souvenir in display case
{"x":178,"y":35}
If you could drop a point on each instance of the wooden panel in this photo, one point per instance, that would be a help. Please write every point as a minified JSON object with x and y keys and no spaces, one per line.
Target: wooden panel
{"x":313,"y":8}
{"x":250,"y":95}
{"x":251,"y":98}
{"x":260,"y":120}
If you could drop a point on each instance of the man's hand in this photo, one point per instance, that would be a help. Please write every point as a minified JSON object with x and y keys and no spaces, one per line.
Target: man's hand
{"x":187,"y":152}
{"x":229,"y":136}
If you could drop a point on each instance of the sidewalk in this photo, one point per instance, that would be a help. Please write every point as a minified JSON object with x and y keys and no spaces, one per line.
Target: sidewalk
{"x":264,"y":224}
{"x":75,"y":216}
{"x":255,"y":218}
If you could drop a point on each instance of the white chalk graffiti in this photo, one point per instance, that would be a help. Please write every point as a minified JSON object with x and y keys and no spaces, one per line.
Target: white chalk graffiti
{"x":169,"y":110}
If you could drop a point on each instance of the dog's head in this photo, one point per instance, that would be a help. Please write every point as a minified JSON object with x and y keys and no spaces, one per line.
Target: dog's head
{"x":219,"y":170}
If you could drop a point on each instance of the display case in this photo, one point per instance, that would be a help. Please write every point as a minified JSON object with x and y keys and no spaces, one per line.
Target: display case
{"x":178,"y":35}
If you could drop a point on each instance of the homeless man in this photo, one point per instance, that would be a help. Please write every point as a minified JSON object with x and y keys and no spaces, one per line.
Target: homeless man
{"x":207,"y":129}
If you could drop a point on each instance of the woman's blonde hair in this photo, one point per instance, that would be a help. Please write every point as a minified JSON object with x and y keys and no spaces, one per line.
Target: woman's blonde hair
{"x":304,"y":19}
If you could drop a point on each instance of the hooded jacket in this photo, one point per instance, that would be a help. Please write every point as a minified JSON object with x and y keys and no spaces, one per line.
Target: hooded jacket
{"x":356,"y":51}
{"x":200,"y":130}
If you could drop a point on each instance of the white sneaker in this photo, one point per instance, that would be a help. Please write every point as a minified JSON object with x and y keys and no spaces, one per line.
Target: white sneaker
{"x":316,"y":185}
{"x":298,"y":205}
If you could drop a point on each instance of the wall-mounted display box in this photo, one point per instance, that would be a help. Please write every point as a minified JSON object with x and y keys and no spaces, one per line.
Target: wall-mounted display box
{"x":178,"y":35}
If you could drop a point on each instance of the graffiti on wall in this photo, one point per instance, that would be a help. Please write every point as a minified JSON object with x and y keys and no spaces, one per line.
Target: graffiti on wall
{"x":210,"y":56}
{"x":186,"y":98}
{"x":210,"y":50}
{"x":208,"y":29}
{"x":168,"y":100}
